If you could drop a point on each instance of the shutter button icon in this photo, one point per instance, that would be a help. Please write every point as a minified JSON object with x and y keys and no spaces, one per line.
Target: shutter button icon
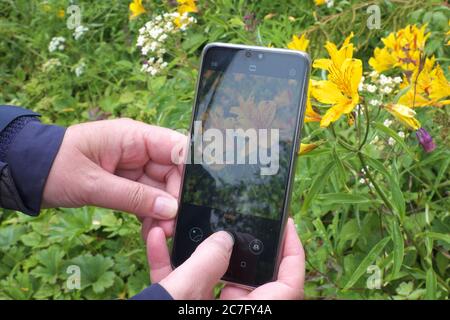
{"x":196,"y":234}
{"x":256,"y":246}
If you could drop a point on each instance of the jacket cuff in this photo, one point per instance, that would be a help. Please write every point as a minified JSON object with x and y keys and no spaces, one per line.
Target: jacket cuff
{"x":30,"y":157}
{"x":154,"y":292}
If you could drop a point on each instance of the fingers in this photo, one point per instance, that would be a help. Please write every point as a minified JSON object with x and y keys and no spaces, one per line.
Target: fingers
{"x":147,"y":224}
{"x":165,"y":174}
{"x":196,"y":278}
{"x":291,"y":273}
{"x":164,"y":145}
{"x":292,"y":266}
{"x":230,"y":292}
{"x":158,"y":255}
{"x":167,"y":225}
{"x":151,"y":182}
{"x":110,"y":191}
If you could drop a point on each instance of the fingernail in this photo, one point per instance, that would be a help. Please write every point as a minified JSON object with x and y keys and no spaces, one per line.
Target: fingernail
{"x":224,"y":238}
{"x":165,"y":208}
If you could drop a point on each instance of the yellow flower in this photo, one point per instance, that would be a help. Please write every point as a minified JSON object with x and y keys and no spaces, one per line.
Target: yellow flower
{"x":401,"y":49}
{"x":429,"y":88}
{"x":341,"y":88}
{"x":404,"y":115}
{"x":337,"y":55}
{"x":186,"y":6}
{"x":310,"y":114}
{"x":382,"y":60}
{"x":298,"y":43}
{"x":61,"y":13}
{"x":306,"y":147}
{"x":319,"y":2}
{"x":136,"y":9}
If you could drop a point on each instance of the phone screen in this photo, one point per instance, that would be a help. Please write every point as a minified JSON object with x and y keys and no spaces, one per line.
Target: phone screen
{"x":243,"y":141}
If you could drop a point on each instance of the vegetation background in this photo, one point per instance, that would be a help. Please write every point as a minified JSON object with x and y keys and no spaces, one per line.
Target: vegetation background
{"x":351,"y":237}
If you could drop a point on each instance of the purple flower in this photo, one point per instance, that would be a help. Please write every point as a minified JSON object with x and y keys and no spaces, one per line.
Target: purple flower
{"x":425,"y":140}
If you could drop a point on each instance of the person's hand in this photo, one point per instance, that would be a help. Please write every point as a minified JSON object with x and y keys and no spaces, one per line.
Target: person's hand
{"x":197,"y":276}
{"x":291,"y":274}
{"x":119,"y":164}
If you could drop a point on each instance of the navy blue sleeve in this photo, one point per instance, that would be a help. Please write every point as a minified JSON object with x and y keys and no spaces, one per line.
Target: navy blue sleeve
{"x":28,"y":150}
{"x":9,"y":113}
{"x":154,"y":292}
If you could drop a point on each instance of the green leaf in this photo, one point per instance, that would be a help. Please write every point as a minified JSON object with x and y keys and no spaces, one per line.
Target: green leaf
{"x":193,"y":42}
{"x":397,"y":201}
{"x":341,"y":173}
{"x":9,"y":235}
{"x":51,"y":264}
{"x":126,"y":97}
{"x":436,"y":236}
{"x":345,"y":198}
{"x":137,"y":282}
{"x":92,"y":270}
{"x":317,"y":186}
{"x":366,"y":262}
{"x":431,"y":285}
{"x":323,"y":234}
{"x":32,"y":239}
{"x":105,"y":281}
{"x":397,"y":195}
{"x":399,"y":248}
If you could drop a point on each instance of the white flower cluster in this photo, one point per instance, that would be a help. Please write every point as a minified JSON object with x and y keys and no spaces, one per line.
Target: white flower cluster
{"x":380,"y":84}
{"x":79,"y":69}
{"x":387,"y":123}
{"x":329,"y":3}
{"x":57,"y":43}
{"x":153,"y":35}
{"x":79,"y":32}
{"x":391,"y":141}
{"x":51,"y":64}
{"x":364,"y":180}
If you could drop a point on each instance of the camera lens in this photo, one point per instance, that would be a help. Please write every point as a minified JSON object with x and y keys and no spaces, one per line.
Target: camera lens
{"x":248,"y":53}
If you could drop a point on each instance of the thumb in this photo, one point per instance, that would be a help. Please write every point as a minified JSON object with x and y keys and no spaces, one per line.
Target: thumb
{"x":122,"y":194}
{"x":196,"y":278}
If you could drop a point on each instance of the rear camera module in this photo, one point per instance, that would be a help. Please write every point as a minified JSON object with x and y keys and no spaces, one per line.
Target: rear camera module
{"x":248,"y":53}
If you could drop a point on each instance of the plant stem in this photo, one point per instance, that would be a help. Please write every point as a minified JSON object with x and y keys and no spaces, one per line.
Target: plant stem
{"x":344,"y":144}
{"x":366,"y":114}
{"x":375,"y":184}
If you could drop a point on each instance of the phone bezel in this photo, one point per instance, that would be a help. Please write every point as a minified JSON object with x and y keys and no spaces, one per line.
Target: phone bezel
{"x":293,"y":162}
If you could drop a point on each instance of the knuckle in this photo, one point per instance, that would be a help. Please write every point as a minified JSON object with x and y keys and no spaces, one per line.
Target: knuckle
{"x":136,"y":195}
{"x":91,"y":186}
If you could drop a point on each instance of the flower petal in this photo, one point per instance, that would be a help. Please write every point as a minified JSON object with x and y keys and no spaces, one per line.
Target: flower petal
{"x":326,"y":92}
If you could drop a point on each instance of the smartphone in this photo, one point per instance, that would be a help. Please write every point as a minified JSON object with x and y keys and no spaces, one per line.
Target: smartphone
{"x":245,"y":133}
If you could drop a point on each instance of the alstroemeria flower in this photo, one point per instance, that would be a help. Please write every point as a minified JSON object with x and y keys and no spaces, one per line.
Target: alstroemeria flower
{"x":186,"y":6}
{"x":404,"y":115}
{"x":340,"y":90}
{"x":428,"y":87}
{"x":298,"y":43}
{"x":136,"y":9}
{"x":401,"y":49}
{"x":306,"y":147}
